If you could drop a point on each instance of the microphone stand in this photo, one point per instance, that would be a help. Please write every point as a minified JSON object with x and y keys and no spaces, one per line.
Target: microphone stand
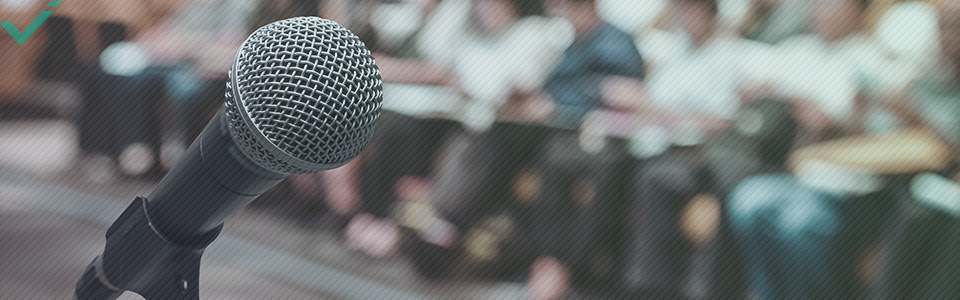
{"x":138,"y":258}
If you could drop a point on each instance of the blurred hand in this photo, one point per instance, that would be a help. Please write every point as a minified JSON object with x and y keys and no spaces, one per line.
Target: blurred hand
{"x":755,"y":91}
{"x":807,"y":112}
{"x":305,"y":185}
{"x":811,"y":116}
{"x":413,"y":71}
{"x":341,"y":197}
{"x":624,"y":93}
{"x":342,"y":188}
{"x":538,"y":107}
{"x":549,"y":279}
{"x":412,"y":188}
{"x":534,"y":106}
{"x":374,"y":236}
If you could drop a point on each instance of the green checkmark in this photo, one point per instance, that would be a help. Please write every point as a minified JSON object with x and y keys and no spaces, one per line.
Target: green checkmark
{"x":22,"y":36}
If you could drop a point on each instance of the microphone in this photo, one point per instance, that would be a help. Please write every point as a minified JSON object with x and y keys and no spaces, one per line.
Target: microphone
{"x":303,"y":96}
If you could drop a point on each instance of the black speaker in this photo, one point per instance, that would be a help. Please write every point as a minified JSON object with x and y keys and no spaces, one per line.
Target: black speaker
{"x":111,"y":33}
{"x":58,"y":58}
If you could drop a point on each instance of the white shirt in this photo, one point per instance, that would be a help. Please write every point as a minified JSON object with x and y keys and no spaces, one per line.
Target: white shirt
{"x":489,"y":67}
{"x":828,"y":74}
{"x":703,"y":81}
{"x":832,"y":74}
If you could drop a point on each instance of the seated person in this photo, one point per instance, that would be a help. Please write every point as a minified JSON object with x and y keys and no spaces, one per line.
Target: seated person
{"x":497,"y":53}
{"x":599,"y":53}
{"x":787,"y":226}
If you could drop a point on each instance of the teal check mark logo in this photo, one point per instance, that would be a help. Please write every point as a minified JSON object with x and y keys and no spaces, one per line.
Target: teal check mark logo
{"x":22,"y":36}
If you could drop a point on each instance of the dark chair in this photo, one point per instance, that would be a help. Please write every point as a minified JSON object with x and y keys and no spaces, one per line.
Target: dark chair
{"x":916,"y":242}
{"x":58,"y":58}
{"x":758,"y":142}
{"x":401,"y":146}
{"x":475,"y":191}
{"x":110,"y":33}
{"x":574,"y":217}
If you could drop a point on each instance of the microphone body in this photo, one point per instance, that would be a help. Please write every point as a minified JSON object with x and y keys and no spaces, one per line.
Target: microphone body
{"x":303,"y":96}
{"x":154,"y":248}
{"x":212,"y":181}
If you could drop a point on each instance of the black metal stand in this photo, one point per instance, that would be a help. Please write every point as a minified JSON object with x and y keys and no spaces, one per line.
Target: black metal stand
{"x":140,"y":259}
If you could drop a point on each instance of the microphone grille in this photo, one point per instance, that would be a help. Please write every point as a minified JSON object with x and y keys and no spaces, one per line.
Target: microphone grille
{"x":306,"y":96}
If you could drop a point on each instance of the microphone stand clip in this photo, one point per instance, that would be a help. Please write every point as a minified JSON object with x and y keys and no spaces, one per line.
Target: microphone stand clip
{"x":140,"y":259}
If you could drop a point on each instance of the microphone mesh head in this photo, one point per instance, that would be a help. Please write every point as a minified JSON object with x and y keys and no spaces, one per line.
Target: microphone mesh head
{"x":304,"y":96}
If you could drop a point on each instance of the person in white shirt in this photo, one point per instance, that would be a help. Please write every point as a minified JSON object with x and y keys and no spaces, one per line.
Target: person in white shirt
{"x":786,"y":225}
{"x":494,"y":48}
{"x":488,"y":50}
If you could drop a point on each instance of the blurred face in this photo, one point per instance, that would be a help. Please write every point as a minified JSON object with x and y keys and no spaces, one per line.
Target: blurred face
{"x":570,"y":10}
{"x":835,"y":19}
{"x":694,"y":19}
{"x":494,"y":16}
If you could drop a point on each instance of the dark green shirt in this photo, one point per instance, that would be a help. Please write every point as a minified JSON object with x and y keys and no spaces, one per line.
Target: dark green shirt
{"x":575,"y":83}
{"x":938,"y":103}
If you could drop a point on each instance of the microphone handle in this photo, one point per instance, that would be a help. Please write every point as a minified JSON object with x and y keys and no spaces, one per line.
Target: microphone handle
{"x":212,"y":181}
{"x":154,"y":247}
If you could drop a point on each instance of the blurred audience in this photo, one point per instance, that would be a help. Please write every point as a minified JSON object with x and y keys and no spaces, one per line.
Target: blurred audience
{"x":935,"y":96}
{"x":496,"y":53}
{"x":536,"y":137}
{"x":772,"y":21}
{"x":789,"y":227}
{"x":599,"y":52}
{"x":703,"y":81}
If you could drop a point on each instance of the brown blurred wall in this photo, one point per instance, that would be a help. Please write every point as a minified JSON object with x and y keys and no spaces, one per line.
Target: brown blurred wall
{"x":17,"y":62}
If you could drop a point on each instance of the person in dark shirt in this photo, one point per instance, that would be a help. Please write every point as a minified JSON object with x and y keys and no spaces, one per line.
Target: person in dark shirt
{"x":599,"y":51}
{"x":600,"y":55}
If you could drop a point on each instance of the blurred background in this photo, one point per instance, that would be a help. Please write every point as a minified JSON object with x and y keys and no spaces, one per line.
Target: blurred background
{"x":538,"y":149}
